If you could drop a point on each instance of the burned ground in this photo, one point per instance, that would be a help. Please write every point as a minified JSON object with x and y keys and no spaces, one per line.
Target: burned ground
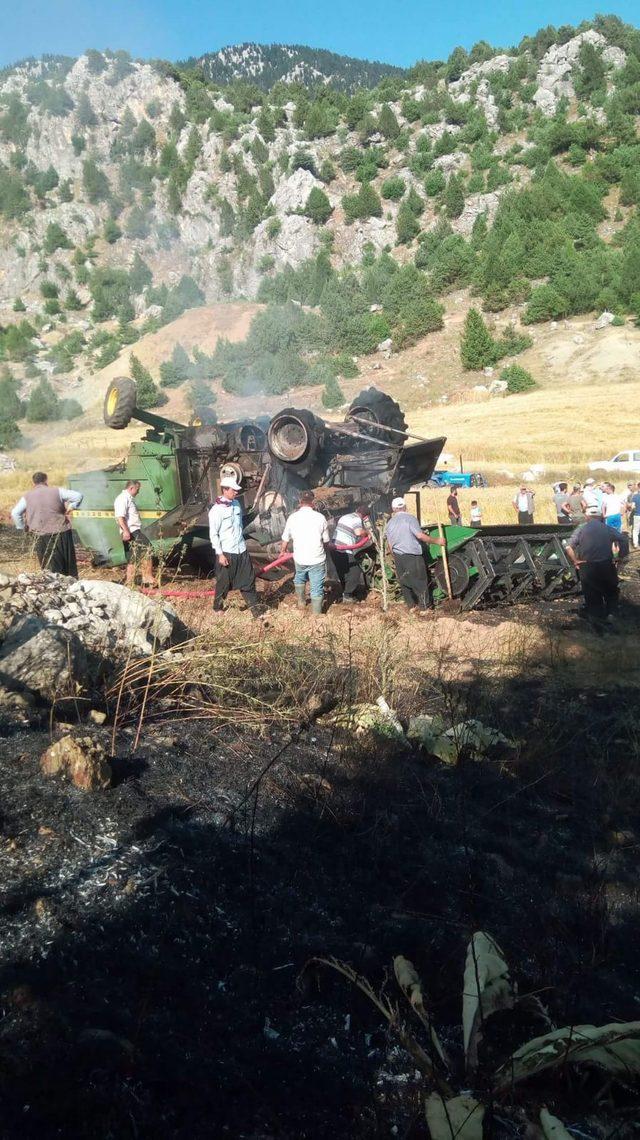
{"x":152,"y":934}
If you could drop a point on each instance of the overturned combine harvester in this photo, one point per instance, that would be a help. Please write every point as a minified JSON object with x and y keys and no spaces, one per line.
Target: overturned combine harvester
{"x":362,"y":462}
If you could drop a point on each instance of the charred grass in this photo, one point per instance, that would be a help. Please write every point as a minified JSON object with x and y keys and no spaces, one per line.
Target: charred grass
{"x":152,"y":934}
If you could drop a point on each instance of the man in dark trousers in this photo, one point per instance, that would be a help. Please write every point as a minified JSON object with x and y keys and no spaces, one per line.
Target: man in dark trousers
{"x":234,"y":569}
{"x":453,"y":507}
{"x":404,"y":536}
{"x":591,"y":548}
{"x":44,"y":511}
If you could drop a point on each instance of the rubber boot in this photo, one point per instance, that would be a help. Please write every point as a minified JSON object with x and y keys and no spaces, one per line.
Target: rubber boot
{"x":316,"y":606}
{"x":301,"y":601}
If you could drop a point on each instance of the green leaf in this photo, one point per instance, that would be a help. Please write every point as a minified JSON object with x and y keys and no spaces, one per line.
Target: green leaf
{"x":614,"y":1047}
{"x":486,"y":988}
{"x":553,"y":1128}
{"x":411,"y":986}
{"x":456,"y":1119}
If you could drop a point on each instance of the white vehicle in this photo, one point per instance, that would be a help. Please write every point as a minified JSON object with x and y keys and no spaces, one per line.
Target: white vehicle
{"x":623,"y":461}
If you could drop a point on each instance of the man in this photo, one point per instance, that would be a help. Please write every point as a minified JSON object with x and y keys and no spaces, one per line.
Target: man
{"x":404,"y":535}
{"x":630,"y":506}
{"x":43,"y":511}
{"x":591,"y":497}
{"x":234,"y":568}
{"x":523,"y":504}
{"x":453,"y":507}
{"x":350,"y":528}
{"x":137,"y":547}
{"x":307,"y":530}
{"x":562,"y":504}
{"x":614,"y":507}
{"x":635,"y":505}
{"x":575,"y":502}
{"x":591,"y":549}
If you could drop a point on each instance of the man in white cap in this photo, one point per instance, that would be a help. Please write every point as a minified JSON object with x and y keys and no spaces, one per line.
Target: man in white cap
{"x":234,"y":569}
{"x":404,"y":535}
{"x":591,"y":497}
{"x":593,"y":548}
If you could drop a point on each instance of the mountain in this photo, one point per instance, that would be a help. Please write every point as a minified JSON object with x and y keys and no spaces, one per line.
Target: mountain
{"x":131,"y":191}
{"x":268,"y":64}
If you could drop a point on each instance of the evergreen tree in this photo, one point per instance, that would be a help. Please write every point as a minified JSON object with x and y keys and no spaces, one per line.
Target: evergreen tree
{"x":19,"y":305}
{"x":10,"y":434}
{"x":227,"y":218}
{"x":592,"y":74}
{"x":200,"y":395}
{"x":111,"y":231}
{"x":43,"y":405}
{"x":11,"y":406}
{"x":140,"y":276}
{"x":84,"y":111}
{"x":332,"y":394}
{"x":148,"y":395}
{"x":95,"y":182}
{"x":477,"y":347}
{"x":407,"y":225}
{"x":387,"y":123}
{"x":517,"y":378}
{"x":454,"y":197}
{"x":318,"y":207}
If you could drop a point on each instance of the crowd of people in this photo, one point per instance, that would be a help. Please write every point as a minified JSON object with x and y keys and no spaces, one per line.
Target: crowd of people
{"x":596,"y":513}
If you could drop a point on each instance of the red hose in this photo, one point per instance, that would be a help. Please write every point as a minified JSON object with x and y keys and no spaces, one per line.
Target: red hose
{"x":279,"y":561}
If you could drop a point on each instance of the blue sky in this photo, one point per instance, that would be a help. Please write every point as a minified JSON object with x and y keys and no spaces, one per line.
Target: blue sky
{"x":397,"y":33}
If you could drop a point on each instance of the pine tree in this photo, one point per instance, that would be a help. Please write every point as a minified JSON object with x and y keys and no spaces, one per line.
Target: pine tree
{"x":200,"y":395}
{"x":148,"y":393}
{"x":454,"y":197}
{"x":332,"y":394}
{"x":43,"y":405}
{"x":407,"y":225}
{"x":387,"y":123}
{"x":318,"y":206}
{"x":477,"y":347}
{"x":11,"y":406}
{"x":95,"y":181}
{"x":84,"y":111}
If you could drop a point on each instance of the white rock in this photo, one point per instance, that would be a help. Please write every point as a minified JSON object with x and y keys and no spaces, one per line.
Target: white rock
{"x":384,"y":345}
{"x":604,"y":319}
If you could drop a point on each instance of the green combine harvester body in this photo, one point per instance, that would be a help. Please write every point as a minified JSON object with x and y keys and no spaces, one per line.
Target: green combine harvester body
{"x":361,"y":463}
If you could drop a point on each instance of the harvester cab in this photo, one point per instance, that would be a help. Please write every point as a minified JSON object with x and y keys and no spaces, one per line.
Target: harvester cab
{"x":362,"y":461}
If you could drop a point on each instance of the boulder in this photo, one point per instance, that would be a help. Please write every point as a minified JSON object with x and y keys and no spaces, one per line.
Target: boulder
{"x":81,"y":759}
{"x":604,"y":319}
{"x":142,"y":623}
{"x":496,"y":387}
{"x":385,"y":345}
{"x":46,"y":660}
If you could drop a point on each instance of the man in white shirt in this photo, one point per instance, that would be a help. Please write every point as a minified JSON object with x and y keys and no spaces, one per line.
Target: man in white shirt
{"x":614,"y":507}
{"x":137,"y":547}
{"x":234,"y":568}
{"x":350,"y":529}
{"x":523,"y":503}
{"x":307,"y":529}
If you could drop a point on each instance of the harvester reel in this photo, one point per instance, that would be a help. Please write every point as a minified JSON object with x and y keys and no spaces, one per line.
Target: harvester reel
{"x":458,"y":574}
{"x":380,"y":411}
{"x":119,"y":403}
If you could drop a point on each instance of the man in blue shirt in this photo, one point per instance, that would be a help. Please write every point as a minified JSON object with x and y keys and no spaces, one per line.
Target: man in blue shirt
{"x":404,"y":535}
{"x":234,"y":569}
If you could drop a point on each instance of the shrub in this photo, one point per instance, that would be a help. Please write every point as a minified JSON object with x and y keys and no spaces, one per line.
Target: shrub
{"x":19,"y":305}
{"x":11,"y":406}
{"x":546,"y":304}
{"x":419,"y":317}
{"x":407,"y":225}
{"x":302,"y":160}
{"x":618,"y":321}
{"x":110,"y":288}
{"x":49,"y":289}
{"x":364,"y":204}
{"x":393,"y":188}
{"x":95,"y":182}
{"x":111,"y":231}
{"x":14,"y":199}
{"x":332,"y":394}
{"x":10,"y":434}
{"x":434,"y":182}
{"x":517,"y":378}
{"x":327,"y":171}
{"x":43,"y":405}
{"x":387,"y":123}
{"x":70,"y":409}
{"x":477,"y":346}
{"x":454,"y":197}
{"x":318,"y":207}
{"x":55,"y":238}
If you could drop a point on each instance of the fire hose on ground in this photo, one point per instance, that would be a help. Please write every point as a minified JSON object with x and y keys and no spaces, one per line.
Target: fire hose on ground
{"x":281,"y":560}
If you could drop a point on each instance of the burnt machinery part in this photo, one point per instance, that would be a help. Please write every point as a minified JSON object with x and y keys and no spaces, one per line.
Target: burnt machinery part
{"x":380,"y":411}
{"x":119,"y":403}
{"x":294,"y":439}
{"x":459,"y":574}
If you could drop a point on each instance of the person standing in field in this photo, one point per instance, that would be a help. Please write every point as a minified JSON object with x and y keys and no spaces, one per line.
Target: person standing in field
{"x":635,"y":506}
{"x":575,"y":502}
{"x":562,"y":504}
{"x":137,"y":547}
{"x":591,"y":497}
{"x":475,"y":516}
{"x":404,"y":536}
{"x":453,"y":507}
{"x":44,"y":512}
{"x":592,"y":548}
{"x":614,"y":507}
{"x":523,"y":504}
{"x":234,"y":568}
{"x":307,"y":530}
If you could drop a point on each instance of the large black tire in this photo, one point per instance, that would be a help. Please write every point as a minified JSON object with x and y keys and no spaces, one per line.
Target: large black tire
{"x":119,"y":403}
{"x":380,"y":411}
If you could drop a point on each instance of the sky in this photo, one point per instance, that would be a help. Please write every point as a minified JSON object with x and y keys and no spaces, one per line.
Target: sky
{"x":393,"y":31}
